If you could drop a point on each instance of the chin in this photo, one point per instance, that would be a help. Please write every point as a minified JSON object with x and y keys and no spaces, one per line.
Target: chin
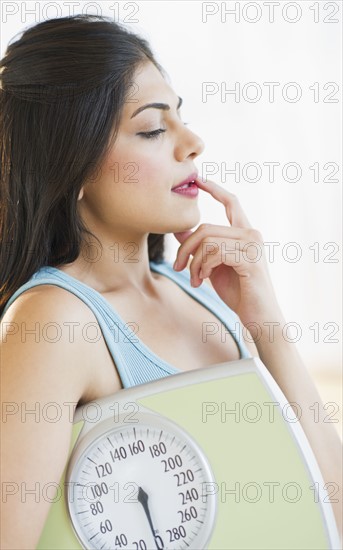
{"x":184,"y":222}
{"x":178,"y":221}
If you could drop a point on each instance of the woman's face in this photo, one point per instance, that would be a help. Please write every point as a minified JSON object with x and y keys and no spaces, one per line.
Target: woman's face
{"x":131,"y":192}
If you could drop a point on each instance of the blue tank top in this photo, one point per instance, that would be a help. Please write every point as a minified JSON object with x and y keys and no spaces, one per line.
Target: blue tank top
{"x":135,"y":362}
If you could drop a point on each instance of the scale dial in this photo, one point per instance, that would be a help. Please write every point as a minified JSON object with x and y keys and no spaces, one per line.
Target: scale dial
{"x":144,"y":485}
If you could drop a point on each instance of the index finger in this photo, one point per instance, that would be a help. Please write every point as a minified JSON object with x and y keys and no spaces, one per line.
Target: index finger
{"x":234,"y":211}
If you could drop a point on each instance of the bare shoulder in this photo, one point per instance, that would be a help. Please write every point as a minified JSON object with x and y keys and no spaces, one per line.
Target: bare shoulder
{"x":60,"y":323}
{"x":48,"y":301}
{"x":41,"y":297}
{"x":48,"y":321}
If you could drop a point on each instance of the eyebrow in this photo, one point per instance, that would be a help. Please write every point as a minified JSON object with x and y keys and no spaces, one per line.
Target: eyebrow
{"x":163,"y":106}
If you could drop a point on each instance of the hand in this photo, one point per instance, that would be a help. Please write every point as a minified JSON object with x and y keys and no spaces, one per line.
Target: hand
{"x":233,"y":258}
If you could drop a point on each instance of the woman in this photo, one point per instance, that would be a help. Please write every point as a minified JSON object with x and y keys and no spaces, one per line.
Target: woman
{"x":92,"y":148}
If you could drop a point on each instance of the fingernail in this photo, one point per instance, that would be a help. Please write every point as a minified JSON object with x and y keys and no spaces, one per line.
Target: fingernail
{"x":200,"y":274}
{"x":176,"y":265}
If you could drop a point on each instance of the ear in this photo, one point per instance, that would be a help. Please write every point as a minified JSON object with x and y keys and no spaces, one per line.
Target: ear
{"x":80,"y":194}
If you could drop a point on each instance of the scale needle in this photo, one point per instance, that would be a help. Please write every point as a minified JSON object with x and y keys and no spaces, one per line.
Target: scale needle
{"x":143,"y":499}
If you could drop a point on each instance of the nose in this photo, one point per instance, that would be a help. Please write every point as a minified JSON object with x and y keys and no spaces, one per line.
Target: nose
{"x":188,"y":145}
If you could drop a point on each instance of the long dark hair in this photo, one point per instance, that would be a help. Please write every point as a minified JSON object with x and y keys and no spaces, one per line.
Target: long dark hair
{"x":63,"y":88}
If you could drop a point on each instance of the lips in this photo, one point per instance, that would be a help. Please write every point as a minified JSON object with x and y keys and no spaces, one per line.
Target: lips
{"x":192,"y":178}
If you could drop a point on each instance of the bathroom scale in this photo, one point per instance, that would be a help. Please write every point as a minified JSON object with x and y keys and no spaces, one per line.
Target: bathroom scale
{"x":210,"y":458}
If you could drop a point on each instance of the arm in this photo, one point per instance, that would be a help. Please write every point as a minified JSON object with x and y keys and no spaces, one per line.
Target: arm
{"x":288,"y":370}
{"x":34,"y":374}
{"x":241,"y":279}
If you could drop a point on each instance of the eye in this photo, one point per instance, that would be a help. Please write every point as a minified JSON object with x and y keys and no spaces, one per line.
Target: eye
{"x":151,"y":135}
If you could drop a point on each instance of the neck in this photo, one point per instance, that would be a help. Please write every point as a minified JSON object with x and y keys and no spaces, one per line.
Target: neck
{"x":121,"y":263}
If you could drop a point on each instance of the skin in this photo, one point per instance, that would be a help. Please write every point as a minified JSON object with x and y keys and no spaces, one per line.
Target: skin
{"x":125,"y":210}
{"x":124,"y":203}
{"x":120,"y":209}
